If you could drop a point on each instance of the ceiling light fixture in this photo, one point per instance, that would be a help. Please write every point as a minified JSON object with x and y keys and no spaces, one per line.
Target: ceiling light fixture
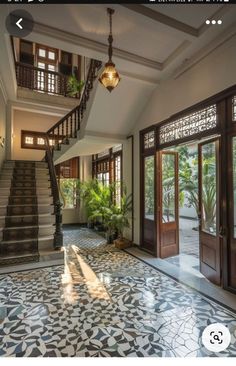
{"x":110,"y":77}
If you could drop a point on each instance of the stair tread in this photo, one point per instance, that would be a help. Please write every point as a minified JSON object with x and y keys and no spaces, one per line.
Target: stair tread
{"x":28,"y":227}
{"x":40,"y":238}
{"x":27,"y":205}
{"x":20,"y":255}
{"x":24,"y":215}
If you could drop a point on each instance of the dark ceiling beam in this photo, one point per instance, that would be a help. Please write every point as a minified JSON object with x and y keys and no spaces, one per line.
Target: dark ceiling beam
{"x":162,"y":18}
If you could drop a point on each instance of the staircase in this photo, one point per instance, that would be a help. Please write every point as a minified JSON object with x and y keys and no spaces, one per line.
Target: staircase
{"x":71,"y":127}
{"x":27,"y":219}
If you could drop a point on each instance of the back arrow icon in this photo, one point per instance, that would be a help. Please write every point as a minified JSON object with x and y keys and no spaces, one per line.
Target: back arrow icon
{"x":18,"y":23}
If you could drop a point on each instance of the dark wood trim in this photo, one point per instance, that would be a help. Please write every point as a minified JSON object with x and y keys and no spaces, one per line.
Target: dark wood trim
{"x":143,"y":154}
{"x":36,"y":134}
{"x":131,"y":137}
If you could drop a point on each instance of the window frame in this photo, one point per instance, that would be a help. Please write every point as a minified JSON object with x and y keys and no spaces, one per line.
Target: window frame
{"x":36,"y":135}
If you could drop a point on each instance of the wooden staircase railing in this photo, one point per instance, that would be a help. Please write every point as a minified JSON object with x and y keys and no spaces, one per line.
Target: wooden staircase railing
{"x":46,"y":81}
{"x":66,"y":128}
{"x":69,"y":125}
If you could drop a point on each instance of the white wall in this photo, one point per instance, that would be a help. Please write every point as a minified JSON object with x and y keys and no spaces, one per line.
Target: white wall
{"x":211,"y":75}
{"x":24,"y":120}
{"x":3,"y":109}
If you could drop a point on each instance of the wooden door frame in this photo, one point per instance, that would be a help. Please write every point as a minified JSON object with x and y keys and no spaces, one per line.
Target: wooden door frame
{"x":143,"y":154}
{"x":225,"y":128}
{"x":217,"y":141}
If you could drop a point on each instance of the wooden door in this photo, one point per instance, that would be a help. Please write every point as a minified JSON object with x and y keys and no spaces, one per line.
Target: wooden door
{"x":209,"y":233}
{"x":168,"y":207}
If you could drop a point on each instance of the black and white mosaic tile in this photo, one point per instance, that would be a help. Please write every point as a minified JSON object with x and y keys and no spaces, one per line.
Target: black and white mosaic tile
{"x":104,"y":302}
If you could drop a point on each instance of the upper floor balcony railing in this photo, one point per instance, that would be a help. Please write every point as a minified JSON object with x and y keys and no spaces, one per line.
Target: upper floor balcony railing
{"x":41,"y":80}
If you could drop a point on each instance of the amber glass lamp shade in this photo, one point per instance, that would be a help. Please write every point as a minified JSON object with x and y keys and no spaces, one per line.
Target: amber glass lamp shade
{"x":109,"y":77}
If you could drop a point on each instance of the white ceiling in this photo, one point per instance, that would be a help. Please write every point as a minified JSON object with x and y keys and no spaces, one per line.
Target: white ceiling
{"x":146,"y":50}
{"x":134,"y":32}
{"x":194,"y":15}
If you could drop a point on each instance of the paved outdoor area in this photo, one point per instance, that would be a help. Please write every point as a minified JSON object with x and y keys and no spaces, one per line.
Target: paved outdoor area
{"x":104,"y":302}
{"x":188,"y":258}
{"x":189,"y":237}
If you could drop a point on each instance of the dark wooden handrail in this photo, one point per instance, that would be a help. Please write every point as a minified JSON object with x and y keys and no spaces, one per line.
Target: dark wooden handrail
{"x":69,"y":125}
{"x":35,"y":78}
{"x":58,"y":236}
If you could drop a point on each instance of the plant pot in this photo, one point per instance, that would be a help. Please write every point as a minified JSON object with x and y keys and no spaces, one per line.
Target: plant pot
{"x":122,"y":243}
{"x":99,"y":227}
{"x":110,"y":238}
{"x":90,"y":225}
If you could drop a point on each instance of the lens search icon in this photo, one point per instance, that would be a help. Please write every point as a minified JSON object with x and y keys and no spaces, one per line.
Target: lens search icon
{"x":216,"y":337}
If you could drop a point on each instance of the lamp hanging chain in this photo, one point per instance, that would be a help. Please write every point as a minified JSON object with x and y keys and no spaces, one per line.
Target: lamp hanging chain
{"x":110,"y":38}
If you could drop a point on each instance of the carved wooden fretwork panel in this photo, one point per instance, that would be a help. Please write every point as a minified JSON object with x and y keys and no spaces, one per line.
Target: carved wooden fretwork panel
{"x":234,"y":108}
{"x":149,"y":140}
{"x":189,"y":125}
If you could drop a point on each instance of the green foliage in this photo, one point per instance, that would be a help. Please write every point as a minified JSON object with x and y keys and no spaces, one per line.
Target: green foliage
{"x":168,"y":186}
{"x":119,"y":220}
{"x":188,"y":177}
{"x":188,"y":183}
{"x":68,"y":192}
{"x":149,"y":185}
{"x":99,"y":202}
{"x":74,"y":86}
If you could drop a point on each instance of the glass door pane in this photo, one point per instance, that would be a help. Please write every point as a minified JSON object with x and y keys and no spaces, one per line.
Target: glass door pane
{"x":208,"y":189}
{"x":209,"y":210}
{"x":149,"y":187}
{"x":168,"y":204}
{"x":168,"y":188}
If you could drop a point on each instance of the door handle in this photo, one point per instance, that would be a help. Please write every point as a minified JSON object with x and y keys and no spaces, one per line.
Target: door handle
{"x":222,"y":232}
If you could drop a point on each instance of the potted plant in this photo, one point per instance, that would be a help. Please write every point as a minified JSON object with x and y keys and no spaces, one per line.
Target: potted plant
{"x":74,"y":86}
{"x":120,"y":219}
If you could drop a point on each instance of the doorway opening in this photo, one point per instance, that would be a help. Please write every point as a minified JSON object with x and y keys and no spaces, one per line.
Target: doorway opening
{"x":189,"y":208}
{"x":188,"y":258}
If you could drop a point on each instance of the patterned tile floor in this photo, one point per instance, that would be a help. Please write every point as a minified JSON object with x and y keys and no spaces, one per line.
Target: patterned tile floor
{"x":103,"y":302}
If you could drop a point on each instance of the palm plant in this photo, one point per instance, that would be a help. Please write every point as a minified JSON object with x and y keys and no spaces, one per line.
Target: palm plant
{"x":120,"y":217}
{"x":74,"y":86}
{"x":100,"y":205}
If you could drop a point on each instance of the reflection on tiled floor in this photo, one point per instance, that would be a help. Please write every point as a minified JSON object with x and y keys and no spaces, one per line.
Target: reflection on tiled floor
{"x":188,"y":258}
{"x":103,"y":302}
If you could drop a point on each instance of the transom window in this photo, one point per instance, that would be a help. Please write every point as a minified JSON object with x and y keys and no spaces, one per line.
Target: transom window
{"x":190,"y":125}
{"x":234,"y":108}
{"x":149,"y":140}
{"x":29,"y":140}
{"x":36,"y":140}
